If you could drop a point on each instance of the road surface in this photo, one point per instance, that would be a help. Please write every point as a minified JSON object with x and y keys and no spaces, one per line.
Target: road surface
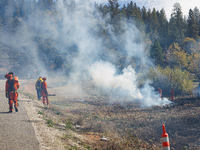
{"x":16,"y":130}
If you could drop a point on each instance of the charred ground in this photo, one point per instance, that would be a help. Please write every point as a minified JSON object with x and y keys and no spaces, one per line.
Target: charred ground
{"x":126,"y":126}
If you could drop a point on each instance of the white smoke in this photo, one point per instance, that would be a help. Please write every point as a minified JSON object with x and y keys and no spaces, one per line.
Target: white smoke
{"x":91,"y":60}
{"x":104,"y":75}
{"x":90,"y":65}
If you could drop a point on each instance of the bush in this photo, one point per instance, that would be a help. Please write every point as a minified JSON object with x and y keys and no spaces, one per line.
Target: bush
{"x":166,"y":78}
{"x":68,"y":125}
{"x":50,"y":122}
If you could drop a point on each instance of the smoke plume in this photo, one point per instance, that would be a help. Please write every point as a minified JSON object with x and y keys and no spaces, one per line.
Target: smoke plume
{"x":86,"y":56}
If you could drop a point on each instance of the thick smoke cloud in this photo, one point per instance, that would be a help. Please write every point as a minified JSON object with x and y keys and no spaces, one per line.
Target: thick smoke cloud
{"x":91,"y":60}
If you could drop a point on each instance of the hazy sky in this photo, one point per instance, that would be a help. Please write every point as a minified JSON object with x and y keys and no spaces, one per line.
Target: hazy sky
{"x":159,"y":4}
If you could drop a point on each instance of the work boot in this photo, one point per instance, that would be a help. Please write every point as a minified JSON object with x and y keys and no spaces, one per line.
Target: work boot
{"x":16,"y":109}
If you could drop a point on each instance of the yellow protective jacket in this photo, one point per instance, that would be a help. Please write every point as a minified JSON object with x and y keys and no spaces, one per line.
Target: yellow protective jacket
{"x":38,"y":83}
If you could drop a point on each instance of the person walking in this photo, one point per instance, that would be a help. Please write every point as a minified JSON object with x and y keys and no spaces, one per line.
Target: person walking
{"x":38,"y":87}
{"x":12,"y":85}
{"x":44,"y":91}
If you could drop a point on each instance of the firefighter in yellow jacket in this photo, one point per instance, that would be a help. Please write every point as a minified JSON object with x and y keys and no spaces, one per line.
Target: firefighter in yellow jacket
{"x":38,"y":87}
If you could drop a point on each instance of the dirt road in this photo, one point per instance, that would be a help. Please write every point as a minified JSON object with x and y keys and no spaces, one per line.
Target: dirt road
{"x":16,"y":130}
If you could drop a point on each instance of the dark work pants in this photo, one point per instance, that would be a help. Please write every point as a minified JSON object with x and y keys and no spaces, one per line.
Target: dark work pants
{"x":39,"y":94}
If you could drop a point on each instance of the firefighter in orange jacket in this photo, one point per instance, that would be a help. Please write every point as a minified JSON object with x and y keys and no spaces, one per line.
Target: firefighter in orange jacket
{"x":44,"y":92}
{"x":172,"y":94}
{"x":160,"y":92}
{"x":12,"y":85}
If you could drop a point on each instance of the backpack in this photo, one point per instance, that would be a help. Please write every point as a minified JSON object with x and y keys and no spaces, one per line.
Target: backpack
{"x":38,"y":83}
{"x":11,"y":84}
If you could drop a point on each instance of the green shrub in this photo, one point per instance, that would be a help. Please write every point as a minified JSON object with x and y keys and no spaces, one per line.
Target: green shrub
{"x":68,"y":125}
{"x":50,"y":122}
{"x":39,"y":112}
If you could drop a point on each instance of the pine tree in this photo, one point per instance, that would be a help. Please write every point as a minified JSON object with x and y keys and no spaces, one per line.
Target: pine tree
{"x":197,"y":16}
{"x":156,"y":53}
{"x":192,"y":30}
{"x":148,"y":22}
{"x":115,"y":16}
{"x":154,"y":25}
{"x":130,"y":10}
{"x":124,"y":11}
{"x":144,"y":15}
{"x":177,"y":25}
{"x":163,"y":29}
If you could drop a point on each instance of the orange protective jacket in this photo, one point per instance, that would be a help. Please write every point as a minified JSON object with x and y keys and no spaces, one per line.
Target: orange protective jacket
{"x":160,"y":92}
{"x":172,"y":92}
{"x":44,"y":86}
{"x":12,"y":80}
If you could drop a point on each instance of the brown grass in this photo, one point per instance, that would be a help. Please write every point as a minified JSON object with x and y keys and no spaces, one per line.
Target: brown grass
{"x":127,"y":126}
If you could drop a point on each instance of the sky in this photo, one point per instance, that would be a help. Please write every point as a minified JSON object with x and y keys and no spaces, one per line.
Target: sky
{"x":159,"y":4}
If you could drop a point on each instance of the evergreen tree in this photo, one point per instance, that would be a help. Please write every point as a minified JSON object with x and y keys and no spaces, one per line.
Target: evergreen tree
{"x":163,"y":29}
{"x":124,"y":11}
{"x":130,"y":10}
{"x":154,"y":25}
{"x":193,"y":29}
{"x":115,"y":16}
{"x":177,"y":25}
{"x":144,"y":15}
{"x":137,"y":13}
{"x":104,"y":9}
{"x":156,"y":53}
{"x":197,"y":16}
{"x":137,"y":17}
{"x":148,"y":22}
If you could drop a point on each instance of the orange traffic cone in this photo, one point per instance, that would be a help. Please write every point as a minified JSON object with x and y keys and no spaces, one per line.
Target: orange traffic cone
{"x":165,"y":139}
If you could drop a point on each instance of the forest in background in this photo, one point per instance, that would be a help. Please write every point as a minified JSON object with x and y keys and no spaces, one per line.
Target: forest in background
{"x":173,"y":45}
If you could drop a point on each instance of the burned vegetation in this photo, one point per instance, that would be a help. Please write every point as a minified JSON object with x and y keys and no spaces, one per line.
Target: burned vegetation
{"x":100,"y":124}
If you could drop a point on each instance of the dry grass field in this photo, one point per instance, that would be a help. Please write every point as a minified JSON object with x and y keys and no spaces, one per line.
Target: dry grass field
{"x":90,"y":116}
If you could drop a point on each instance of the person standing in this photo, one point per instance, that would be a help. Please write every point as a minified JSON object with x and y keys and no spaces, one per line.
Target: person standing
{"x":44,"y":91}
{"x":160,"y":92}
{"x":12,"y":85}
{"x":172,"y":93}
{"x":38,"y":87}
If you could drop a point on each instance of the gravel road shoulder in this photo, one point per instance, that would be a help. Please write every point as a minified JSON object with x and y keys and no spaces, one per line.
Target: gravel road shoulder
{"x":49,"y":138}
